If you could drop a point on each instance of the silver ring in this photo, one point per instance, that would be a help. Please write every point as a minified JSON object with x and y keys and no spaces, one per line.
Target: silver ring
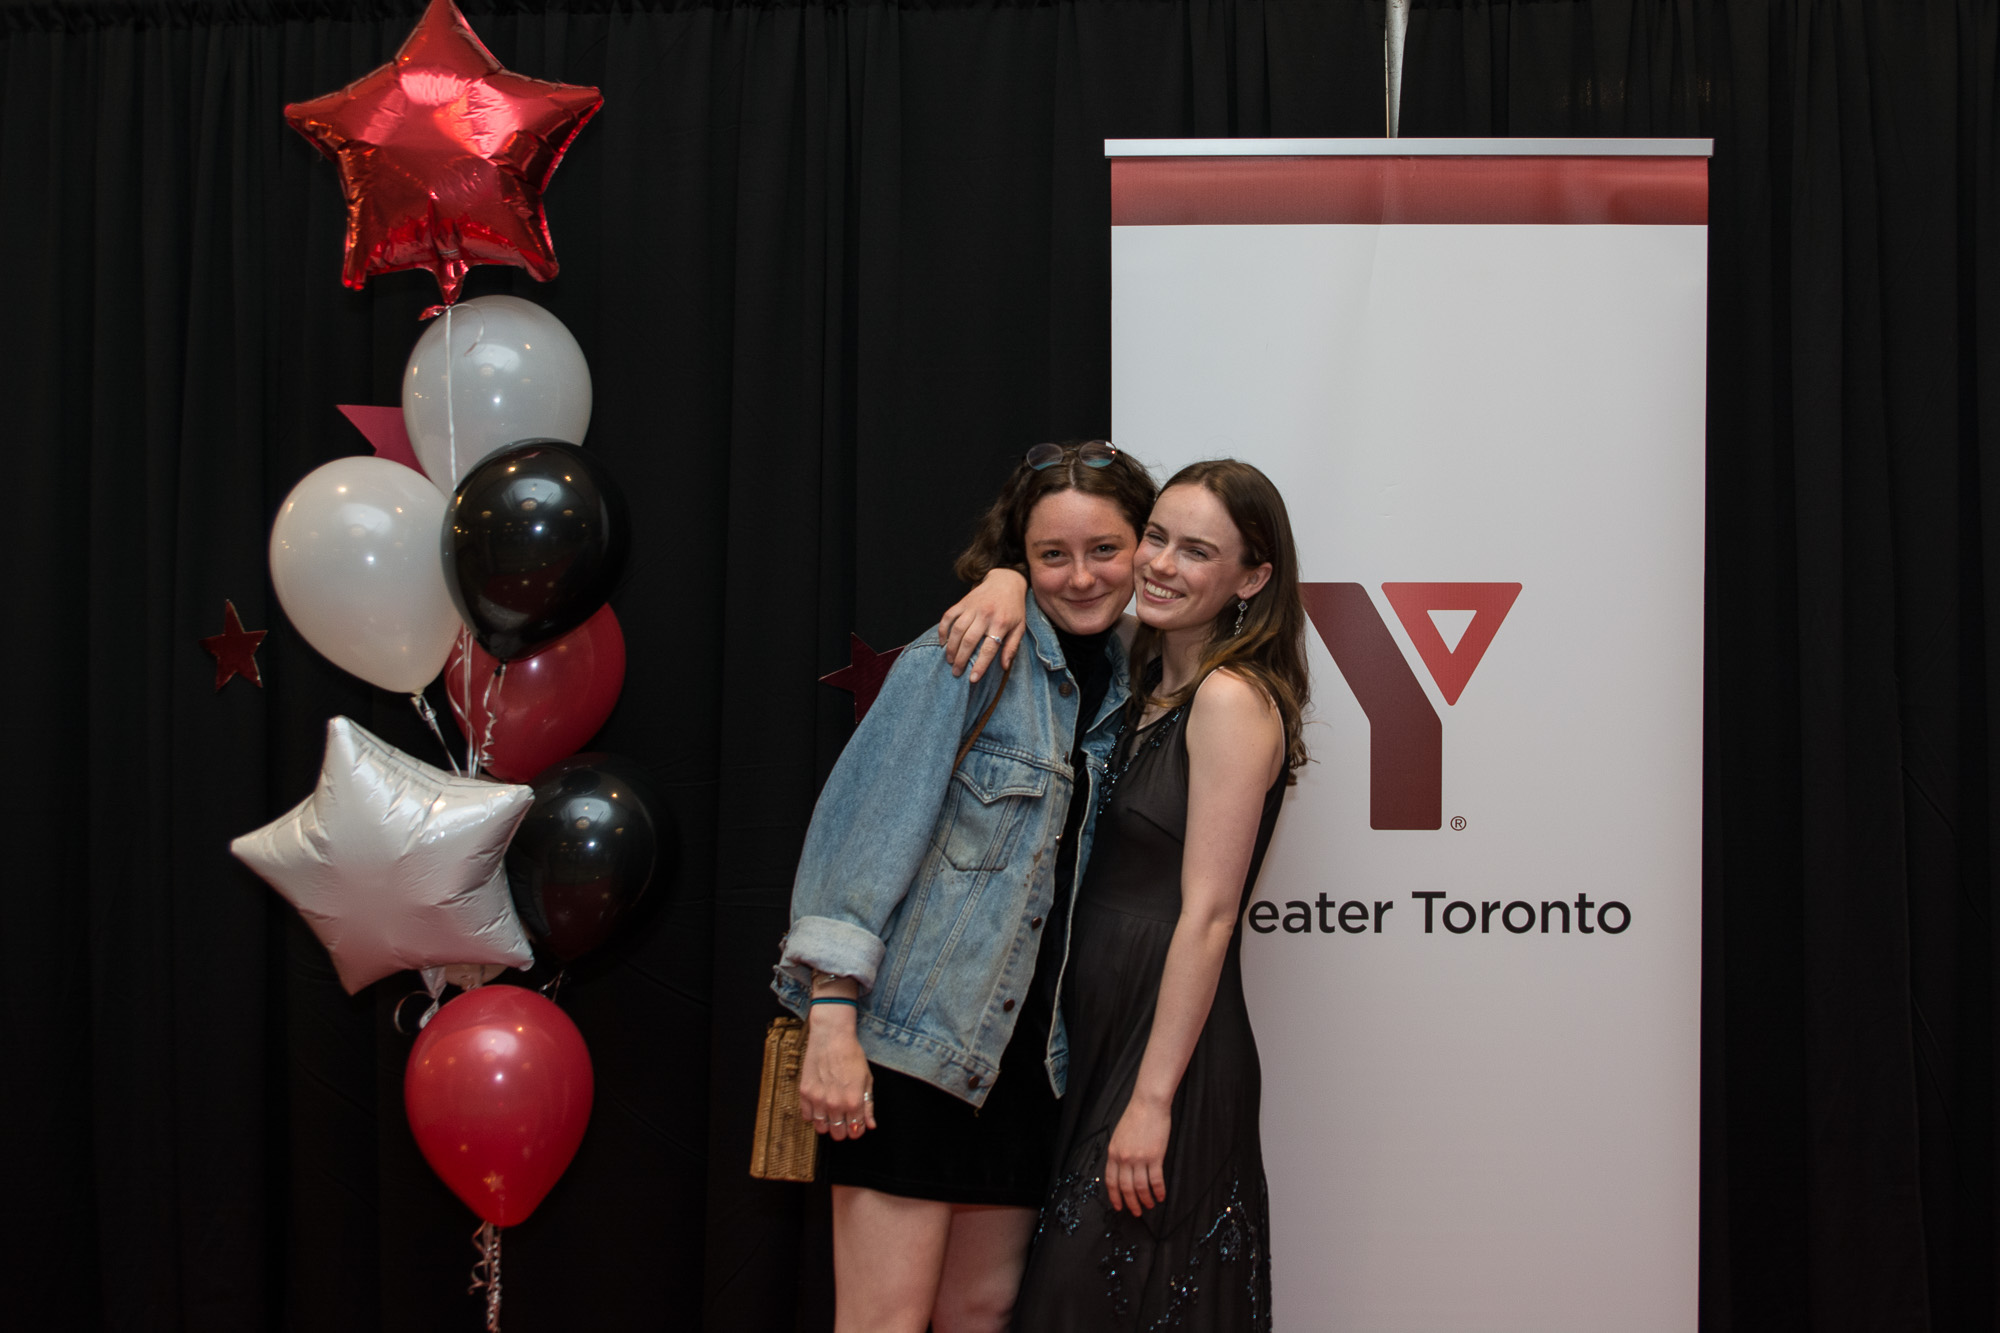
{"x":996,"y":638}
{"x":819,"y":1120}
{"x":854,"y":1124}
{"x":867,"y":1096}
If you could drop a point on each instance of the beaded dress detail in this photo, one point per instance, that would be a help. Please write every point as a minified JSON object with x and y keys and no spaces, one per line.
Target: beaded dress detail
{"x":1202,"y":1259}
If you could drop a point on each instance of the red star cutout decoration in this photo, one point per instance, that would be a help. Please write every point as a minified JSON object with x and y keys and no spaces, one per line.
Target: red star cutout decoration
{"x":864,"y":674}
{"x":383,"y":428}
{"x":235,"y":649}
{"x":444,"y":155}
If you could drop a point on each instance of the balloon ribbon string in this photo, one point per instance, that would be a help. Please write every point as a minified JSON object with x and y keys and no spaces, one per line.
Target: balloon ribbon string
{"x":429,"y":714}
{"x":486,"y":707}
{"x":450,"y":417}
{"x":396,"y":1014}
{"x":464,"y":715}
{"x":486,"y":1272}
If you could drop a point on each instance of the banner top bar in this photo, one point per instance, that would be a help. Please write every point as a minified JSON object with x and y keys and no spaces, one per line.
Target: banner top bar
{"x":1409,"y":147}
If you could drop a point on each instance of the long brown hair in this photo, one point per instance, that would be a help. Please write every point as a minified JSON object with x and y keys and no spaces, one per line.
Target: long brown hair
{"x":1001,"y":539}
{"x":1271,"y":649}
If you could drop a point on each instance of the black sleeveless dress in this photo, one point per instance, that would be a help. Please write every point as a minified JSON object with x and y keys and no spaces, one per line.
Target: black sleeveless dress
{"x":1202,"y":1259}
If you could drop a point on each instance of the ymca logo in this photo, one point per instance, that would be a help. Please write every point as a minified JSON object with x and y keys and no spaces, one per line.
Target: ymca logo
{"x":1405,"y":734}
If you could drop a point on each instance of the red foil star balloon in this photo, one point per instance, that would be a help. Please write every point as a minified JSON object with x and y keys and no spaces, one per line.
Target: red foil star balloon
{"x":444,"y":155}
{"x":863,"y":674}
{"x":235,"y":649}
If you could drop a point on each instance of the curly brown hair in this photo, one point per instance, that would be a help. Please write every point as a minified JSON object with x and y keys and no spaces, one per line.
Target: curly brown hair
{"x":1001,"y":542}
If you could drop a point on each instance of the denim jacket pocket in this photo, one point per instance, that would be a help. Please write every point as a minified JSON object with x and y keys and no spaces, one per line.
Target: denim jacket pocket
{"x":990,"y":794}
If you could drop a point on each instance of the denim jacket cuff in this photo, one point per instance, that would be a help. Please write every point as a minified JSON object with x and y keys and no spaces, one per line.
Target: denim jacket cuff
{"x":832,"y":945}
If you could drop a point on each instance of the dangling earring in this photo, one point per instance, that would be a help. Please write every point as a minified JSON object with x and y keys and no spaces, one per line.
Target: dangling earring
{"x":1242,"y":610}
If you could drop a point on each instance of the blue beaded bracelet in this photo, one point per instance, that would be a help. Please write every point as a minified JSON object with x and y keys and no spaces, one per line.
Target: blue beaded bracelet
{"x":834,"y":999}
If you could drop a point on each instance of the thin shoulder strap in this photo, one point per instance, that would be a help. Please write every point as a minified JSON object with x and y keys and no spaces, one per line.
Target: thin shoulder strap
{"x":966,"y":748}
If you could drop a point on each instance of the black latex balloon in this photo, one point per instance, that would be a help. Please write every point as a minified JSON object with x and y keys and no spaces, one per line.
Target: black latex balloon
{"x":534,"y":542}
{"x":584,"y":854}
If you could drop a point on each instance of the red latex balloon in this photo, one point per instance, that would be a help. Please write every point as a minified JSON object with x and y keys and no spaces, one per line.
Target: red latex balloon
{"x":548,"y":706}
{"x":498,"y":1091}
{"x":444,"y":155}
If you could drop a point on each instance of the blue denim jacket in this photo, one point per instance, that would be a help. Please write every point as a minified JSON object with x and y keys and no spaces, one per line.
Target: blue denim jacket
{"x":930,"y":886}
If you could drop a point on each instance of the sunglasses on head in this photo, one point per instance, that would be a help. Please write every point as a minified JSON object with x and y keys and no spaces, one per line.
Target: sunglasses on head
{"x":1091,"y":453}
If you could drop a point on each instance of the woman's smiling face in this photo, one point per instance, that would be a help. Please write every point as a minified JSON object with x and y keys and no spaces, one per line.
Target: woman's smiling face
{"x":1080,"y":560}
{"x":1191,"y":561}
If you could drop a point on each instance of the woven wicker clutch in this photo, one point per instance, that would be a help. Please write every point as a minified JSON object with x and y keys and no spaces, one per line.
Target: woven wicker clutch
{"x":785,"y":1147}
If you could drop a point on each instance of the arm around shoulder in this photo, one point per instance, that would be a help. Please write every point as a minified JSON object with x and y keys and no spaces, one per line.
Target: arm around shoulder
{"x":994,"y":613}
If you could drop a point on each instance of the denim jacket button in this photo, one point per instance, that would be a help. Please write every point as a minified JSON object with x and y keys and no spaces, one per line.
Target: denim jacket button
{"x":972,"y":1082}
{"x":1006,"y":1006}
{"x":1036,"y":924}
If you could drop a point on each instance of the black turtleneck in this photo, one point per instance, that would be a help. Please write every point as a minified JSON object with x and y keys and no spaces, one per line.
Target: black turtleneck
{"x":1090,"y":667}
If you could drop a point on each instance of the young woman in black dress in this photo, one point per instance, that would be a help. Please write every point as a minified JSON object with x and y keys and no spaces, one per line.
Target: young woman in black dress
{"x":1158,"y":1216}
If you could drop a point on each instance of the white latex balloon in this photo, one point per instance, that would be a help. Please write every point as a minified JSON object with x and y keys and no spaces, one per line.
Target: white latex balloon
{"x":354,"y":557}
{"x":394,"y":863}
{"x":488,"y":373}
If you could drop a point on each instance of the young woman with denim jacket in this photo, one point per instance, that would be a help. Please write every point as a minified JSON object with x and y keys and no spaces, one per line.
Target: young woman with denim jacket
{"x":930,"y":912}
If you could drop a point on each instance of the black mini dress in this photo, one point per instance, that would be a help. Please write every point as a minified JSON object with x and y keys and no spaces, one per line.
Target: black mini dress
{"x":928,"y":1144}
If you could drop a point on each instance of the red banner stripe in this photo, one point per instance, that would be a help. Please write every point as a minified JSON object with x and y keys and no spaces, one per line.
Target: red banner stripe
{"x":1180,"y":191}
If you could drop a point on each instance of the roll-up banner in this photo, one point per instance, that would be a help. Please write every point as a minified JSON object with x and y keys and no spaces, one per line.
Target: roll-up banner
{"x":1475,"y":369}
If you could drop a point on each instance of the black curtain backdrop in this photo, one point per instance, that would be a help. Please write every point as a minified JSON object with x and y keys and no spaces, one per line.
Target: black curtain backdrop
{"x":1848,"y":1127}
{"x":832,"y":266}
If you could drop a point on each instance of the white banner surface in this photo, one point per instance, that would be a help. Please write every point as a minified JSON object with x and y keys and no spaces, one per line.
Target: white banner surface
{"x":1473,"y":955}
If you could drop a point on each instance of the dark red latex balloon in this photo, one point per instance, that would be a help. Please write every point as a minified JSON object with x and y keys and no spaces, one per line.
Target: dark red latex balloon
{"x":498,"y":1092}
{"x":444,"y":155}
{"x":548,"y":706}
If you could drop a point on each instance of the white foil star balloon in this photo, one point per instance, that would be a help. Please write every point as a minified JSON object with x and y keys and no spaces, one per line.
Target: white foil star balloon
{"x":394,"y":863}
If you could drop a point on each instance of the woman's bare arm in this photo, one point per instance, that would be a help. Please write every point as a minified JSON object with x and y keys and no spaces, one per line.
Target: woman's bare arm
{"x":992,"y":616}
{"x":1236,"y":744}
